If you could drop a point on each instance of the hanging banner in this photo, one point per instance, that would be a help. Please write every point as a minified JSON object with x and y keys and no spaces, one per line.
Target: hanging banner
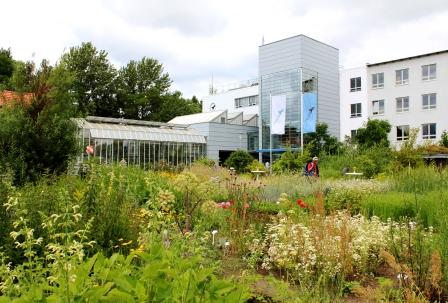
{"x":309,"y":112}
{"x":278,"y":114}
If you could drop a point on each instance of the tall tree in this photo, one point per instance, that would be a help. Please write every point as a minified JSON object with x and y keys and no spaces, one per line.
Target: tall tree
{"x":142,"y":86}
{"x":6,"y":67}
{"x":94,"y":79}
{"x":40,"y":137}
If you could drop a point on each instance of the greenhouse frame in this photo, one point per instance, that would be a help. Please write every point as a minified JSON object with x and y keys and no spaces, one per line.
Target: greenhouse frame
{"x":143,"y":143}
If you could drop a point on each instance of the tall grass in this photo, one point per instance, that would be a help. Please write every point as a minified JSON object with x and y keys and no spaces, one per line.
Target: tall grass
{"x":427,"y":208}
{"x":292,"y":184}
{"x":420,"y":179}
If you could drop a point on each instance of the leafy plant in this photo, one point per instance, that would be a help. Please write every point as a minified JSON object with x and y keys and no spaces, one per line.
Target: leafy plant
{"x":239,"y":160}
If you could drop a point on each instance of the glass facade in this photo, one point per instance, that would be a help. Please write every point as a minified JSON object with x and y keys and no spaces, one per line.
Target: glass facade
{"x":132,"y":145}
{"x":285,"y":83}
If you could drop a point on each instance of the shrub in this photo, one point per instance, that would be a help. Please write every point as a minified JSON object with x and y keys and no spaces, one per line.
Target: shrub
{"x":256,"y":165}
{"x":374,"y":133}
{"x":409,"y":155}
{"x":239,"y":160}
{"x":39,"y":138}
{"x":292,"y":161}
{"x":444,"y":139}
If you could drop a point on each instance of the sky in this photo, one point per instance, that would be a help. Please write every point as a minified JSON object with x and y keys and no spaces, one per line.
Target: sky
{"x":196,"y":40}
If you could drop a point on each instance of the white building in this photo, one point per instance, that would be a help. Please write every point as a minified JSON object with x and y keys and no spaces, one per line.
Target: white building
{"x":410,"y":93}
{"x":289,"y":67}
{"x":224,"y":132}
{"x":241,"y":96}
{"x":353,"y":100}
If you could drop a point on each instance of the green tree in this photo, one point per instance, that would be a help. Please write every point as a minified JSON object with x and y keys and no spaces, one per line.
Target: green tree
{"x":239,"y":160}
{"x":321,"y":140}
{"x":142,"y":85}
{"x":40,"y":137}
{"x":374,"y":133}
{"x":6,"y":67}
{"x":173,"y":105}
{"x":23,"y":76}
{"x":94,"y":80}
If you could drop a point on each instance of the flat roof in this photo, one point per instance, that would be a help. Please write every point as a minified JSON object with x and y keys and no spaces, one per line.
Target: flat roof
{"x":408,"y":58}
{"x":301,"y":35}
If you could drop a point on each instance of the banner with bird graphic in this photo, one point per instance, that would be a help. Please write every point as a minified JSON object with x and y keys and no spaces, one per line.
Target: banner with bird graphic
{"x":309,"y":112}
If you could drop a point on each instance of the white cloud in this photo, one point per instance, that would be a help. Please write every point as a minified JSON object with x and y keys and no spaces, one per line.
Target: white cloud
{"x":196,"y":38}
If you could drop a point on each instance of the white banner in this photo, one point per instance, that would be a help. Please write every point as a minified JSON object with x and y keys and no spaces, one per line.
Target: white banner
{"x":278,"y":114}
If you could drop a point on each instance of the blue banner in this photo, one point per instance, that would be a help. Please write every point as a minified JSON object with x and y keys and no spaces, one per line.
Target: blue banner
{"x":309,"y":112}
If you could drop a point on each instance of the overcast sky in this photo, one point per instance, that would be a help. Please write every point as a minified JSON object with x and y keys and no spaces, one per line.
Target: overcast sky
{"x":194,"y":39}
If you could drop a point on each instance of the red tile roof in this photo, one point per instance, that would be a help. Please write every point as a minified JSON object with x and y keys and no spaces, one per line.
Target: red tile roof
{"x":8,"y":97}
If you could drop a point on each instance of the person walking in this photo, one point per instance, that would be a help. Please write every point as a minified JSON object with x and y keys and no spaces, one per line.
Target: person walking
{"x":312,"y":168}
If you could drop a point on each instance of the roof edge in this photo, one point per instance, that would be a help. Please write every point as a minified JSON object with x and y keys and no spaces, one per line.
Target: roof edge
{"x":407,"y":58}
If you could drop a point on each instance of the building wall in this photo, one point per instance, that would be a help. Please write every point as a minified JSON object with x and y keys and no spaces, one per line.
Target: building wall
{"x":347,"y":97}
{"x":303,"y":52}
{"x":416,"y":116}
{"x":324,"y":59}
{"x":226,"y":137}
{"x":226,"y":100}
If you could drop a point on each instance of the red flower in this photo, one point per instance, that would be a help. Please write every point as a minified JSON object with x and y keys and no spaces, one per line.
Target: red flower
{"x":301,"y":203}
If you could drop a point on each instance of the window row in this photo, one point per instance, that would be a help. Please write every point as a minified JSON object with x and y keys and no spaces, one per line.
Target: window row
{"x":428,"y":72}
{"x":429,"y":131}
{"x":402,"y":104}
{"x":246,"y":101}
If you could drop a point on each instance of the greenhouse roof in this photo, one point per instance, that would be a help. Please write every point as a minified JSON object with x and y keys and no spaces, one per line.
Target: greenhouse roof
{"x":197,"y":118}
{"x":143,"y":130}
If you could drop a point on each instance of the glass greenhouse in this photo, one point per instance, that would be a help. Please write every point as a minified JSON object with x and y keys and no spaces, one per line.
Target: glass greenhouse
{"x":144,"y":143}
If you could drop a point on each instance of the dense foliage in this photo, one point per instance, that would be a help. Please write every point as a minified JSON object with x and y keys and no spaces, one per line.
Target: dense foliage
{"x":6,"y":67}
{"x":239,"y":160}
{"x":321,"y":141}
{"x":124,"y":234}
{"x":374,"y":133}
{"x":39,"y":138}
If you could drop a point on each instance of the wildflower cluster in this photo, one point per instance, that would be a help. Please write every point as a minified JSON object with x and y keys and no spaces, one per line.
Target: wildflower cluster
{"x":330,"y":245}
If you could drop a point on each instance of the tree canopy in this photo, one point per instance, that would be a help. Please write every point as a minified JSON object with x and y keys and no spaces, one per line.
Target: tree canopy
{"x":374,"y":133}
{"x":6,"y":67}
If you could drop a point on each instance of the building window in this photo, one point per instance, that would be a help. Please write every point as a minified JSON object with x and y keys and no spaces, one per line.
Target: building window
{"x":429,"y":72}
{"x":355,"y":84}
{"x":402,"y":76}
{"x":402,"y":132}
{"x":429,"y":101}
{"x":378,"y":107}
{"x":402,"y":104}
{"x":246,"y":101}
{"x":353,"y":133}
{"x":253,"y":100}
{"x":429,"y":131}
{"x":355,"y":110}
{"x":223,"y":119}
{"x":378,"y":80}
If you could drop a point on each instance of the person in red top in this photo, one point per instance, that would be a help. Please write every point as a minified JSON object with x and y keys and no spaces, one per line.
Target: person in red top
{"x":311,"y":168}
